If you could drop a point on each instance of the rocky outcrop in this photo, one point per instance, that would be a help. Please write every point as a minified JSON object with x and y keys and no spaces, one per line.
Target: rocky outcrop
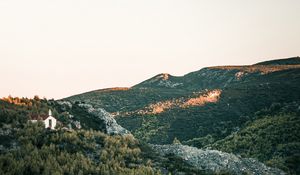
{"x":216,"y":161}
{"x":111,"y":126}
{"x":64,"y":103}
{"x":163,"y":80}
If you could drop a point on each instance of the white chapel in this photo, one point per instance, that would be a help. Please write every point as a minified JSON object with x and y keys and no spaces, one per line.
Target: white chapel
{"x":48,"y":120}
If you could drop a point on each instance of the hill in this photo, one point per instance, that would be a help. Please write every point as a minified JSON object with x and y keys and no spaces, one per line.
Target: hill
{"x":154,"y":109}
{"x":201,"y":107}
{"x":100,"y":146}
{"x":29,"y":148}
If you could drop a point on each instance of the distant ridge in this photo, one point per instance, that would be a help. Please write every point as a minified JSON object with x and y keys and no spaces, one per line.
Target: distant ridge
{"x":284,"y":61}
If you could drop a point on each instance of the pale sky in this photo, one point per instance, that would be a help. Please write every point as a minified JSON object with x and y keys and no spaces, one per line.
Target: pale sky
{"x":58,"y":48}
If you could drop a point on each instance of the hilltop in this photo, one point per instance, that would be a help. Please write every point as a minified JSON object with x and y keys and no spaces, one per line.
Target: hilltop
{"x":284,"y":61}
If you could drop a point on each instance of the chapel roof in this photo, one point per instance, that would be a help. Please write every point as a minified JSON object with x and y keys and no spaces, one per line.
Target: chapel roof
{"x":38,"y":117}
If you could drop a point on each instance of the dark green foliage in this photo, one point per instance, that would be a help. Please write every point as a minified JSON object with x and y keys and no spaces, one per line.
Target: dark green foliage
{"x":239,"y":100}
{"x":176,"y":165}
{"x":29,"y":148}
{"x":126,"y":100}
{"x":87,"y":121}
{"x":79,"y":152}
{"x":16,"y":111}
{"x":200,"y":142}
{"x":273,"y":139}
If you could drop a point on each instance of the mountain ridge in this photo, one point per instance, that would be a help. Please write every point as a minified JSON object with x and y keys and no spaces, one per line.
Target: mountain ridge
{"x":269,"y":66}
{"x":153,"y":109}
{"x":283,"y":61}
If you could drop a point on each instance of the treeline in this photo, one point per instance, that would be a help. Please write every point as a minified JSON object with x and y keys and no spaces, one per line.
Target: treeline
{"x":16,"y":111}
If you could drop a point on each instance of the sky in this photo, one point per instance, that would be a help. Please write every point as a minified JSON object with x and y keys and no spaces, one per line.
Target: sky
{"x":58,"y":48}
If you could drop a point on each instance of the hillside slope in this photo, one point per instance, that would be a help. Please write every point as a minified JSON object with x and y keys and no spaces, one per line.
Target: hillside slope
{"x":273,"y":137}
{"x":205,"y":106}
{"x":154,"y":110}
{"x":100,"y":146}
{"x":29,"y":148}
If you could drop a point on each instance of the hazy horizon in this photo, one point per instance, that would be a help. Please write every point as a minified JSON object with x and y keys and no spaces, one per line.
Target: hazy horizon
{"x":61,"y":48}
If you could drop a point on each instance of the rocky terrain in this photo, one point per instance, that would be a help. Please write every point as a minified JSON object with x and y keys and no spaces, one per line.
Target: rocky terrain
{"x":217,"y":161}
{"x":111,"y":126}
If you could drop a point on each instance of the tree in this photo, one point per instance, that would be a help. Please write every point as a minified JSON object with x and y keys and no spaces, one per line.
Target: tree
{"x":176,"y":141}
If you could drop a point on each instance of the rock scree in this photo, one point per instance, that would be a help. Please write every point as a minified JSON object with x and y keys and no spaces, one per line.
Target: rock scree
{"x":216,"y":161}
{"x":112,"y":127}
